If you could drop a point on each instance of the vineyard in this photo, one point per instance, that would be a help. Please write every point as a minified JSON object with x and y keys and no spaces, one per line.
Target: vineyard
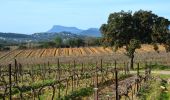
{"x":85,"y":55}
{"x":76,"y":73}
{"x":39,"y":56}
{"x":71,"y":81}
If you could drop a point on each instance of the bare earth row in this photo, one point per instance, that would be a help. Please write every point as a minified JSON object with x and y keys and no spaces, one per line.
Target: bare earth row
{"x":84,"y":51}
{"x":71,"y":52}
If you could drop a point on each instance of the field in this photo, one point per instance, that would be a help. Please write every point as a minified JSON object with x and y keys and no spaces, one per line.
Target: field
{"x":68,"y":81}
{"x":78,"y":73}
{"x":38,"y":56}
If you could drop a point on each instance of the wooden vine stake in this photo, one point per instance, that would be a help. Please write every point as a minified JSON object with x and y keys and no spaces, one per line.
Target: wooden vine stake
{"x":58,"y":67}
{"x":0,"y":70}
{"x":146,"y":67}
{"x":16,"y":71}
{"x":20,"y":72}
{"x":101,"y":65}
{"x":116,"y":84}
{"x":96,"y":84}
{"x":74,"y":73}
{"x":82,"y":68}
{"x":49,"y":70}
{"x":115,"y":65}
{"x":53,"y":92}
{"x":125,"y":68}
{"x":10,"y":82}
{"x":137,"y":77}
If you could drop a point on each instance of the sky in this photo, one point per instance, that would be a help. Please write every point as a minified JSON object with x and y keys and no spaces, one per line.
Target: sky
{"x":31,"y":16}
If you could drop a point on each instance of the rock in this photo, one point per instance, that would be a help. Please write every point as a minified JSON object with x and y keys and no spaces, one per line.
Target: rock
{"x":162,"y":87}
{"x":166,"y":91}
{"x":168,"y":81}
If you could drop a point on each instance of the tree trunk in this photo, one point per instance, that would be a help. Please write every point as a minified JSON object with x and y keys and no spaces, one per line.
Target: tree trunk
{"x":131,"y":62}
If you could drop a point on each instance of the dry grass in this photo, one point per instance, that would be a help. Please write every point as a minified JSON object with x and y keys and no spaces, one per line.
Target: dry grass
{"x":75,"y":51}
{"x":146,"y":52}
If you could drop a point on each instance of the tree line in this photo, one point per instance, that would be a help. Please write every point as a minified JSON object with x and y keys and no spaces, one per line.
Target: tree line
{"x":71,"y":42}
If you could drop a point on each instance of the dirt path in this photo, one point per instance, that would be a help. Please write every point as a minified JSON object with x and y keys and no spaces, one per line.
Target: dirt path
{"x":156,"y":72}
{"x":161,"y":72}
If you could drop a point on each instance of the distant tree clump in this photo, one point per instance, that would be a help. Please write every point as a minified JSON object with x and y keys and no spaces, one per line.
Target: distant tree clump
{"x":58,"y":41}
{"x":4,"y":48}
{"x":62,"y":43}
{"x":22,"y":47}
{"x":124,"y":29}
{"x":49,"y":44}
{"x":75,"y":42}
{"x":92,"y":41}
{"x":1,"y":46}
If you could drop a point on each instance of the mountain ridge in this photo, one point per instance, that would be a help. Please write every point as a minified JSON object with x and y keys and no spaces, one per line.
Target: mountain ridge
{"x":94,"y":32}
{"x":59,"y":28}
{"x":56,"y":30}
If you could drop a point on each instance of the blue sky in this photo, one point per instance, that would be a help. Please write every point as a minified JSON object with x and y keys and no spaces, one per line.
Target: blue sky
{"x":30,"y":16}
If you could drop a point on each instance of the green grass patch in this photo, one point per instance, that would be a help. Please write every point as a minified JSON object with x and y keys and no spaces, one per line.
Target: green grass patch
{"x":77,"y":95}
{"x":163,"y":76}
{"x":165,"y":95}
{"x":149,"y":90}
{"x":160,"y":67}
{"x":152,"y":91}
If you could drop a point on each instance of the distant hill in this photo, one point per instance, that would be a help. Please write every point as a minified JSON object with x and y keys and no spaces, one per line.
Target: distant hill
{"x":15,"y":37}
{"x":49,"y":36}
{"x":58,"y":28}
{"x":43,"y":36}
{"x":94,"y":32}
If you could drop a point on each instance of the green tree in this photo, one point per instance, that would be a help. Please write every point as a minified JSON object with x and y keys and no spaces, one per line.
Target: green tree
{"x":58,"y":41}
{"x":75,"y":42}
{"x":151,"y":28}
{"x":48,"y":44}
{"x":125,"y":29}
{"x":161,"y":32}
{"x":92,"y":41}
{"x":79,"y":42}
{"x":144,"y":21}
{"x":71,"y":42}
{"x":120,"y":31}
{"x":1,"y":46}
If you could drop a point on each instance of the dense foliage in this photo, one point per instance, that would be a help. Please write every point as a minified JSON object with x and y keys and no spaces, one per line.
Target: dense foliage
{"x":130,"y":30}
